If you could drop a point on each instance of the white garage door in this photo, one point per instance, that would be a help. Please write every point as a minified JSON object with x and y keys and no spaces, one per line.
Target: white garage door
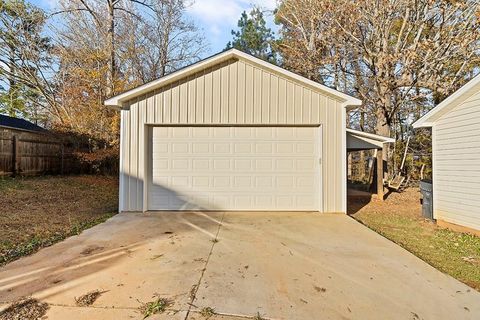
{"x":235,"y":168}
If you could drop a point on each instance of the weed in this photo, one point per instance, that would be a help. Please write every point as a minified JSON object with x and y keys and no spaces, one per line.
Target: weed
{"x":153,"y":307}
{"x":258,"y":316}
{"x":193,"y":291}
{"x":207,"y":312}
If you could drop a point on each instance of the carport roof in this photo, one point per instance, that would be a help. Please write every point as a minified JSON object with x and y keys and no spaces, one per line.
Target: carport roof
{"x":359,"y":140}
{"x":119,"y":100}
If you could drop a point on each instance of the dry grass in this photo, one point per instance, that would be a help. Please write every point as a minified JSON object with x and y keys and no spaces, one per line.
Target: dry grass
{"x":25,"y":309}
{"x":258,"y":316}
{"x":399,"y":219}
{"x":88,"y":299}
{"x":40,"y":211}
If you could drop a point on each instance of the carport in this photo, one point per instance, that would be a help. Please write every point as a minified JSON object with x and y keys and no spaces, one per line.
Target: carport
{"x":362,"y":141}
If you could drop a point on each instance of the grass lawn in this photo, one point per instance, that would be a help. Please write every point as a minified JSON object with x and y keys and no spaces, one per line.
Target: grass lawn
{"x":399,"y":219}
{"x":38,"y":211}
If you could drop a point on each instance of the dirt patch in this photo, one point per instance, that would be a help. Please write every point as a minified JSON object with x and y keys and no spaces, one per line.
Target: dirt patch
{"x":90,"y":250}
{"x":399,"y":218}
{"x":25,"y":309}
{"x":39,"y":211}
{"x":88,"y":299}
{"x":319,"y":289}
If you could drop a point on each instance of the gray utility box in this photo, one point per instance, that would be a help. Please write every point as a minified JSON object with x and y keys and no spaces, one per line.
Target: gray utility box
{"x":426,"y":188}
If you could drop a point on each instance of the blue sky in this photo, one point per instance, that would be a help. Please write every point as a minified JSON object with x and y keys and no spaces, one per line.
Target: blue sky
{"x":215,"y":17}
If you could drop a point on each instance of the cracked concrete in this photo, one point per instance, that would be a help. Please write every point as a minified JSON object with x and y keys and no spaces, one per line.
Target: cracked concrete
{"x":279,"y":265}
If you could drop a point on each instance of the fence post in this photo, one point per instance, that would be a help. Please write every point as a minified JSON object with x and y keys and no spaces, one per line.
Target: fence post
{"x":16,"y":155}
{"x":61,"y":166}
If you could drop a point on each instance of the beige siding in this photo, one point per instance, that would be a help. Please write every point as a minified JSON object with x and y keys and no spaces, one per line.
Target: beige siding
{"x":234,"y":93}
{"x":456,"y":141}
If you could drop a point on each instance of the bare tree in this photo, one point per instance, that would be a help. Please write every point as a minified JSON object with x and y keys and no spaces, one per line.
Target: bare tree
{"x":104,"y":14}
{"x":24,"y":59}
{"x":402,"y":51}
{"x":162,"y":42}
{"x":148,"y":42}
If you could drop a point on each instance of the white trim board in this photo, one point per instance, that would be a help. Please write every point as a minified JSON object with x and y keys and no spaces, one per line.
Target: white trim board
{"x":118,"y":101}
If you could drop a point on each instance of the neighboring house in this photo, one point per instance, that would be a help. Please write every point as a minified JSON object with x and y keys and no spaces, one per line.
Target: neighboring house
{"x":233,"y":132}
{"x":18,"y":125}
{"x":455,"y":127}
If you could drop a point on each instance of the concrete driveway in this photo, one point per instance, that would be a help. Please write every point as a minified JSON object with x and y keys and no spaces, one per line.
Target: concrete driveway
{"x":280,"y":265}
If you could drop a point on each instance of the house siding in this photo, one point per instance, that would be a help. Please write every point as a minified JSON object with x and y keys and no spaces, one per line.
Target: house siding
{"x":456,"y":152}
{"x":235,"y":92}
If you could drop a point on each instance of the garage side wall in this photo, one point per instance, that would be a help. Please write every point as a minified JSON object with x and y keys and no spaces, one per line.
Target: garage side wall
{"x":456,"y":145}
{"x":235,"y":92}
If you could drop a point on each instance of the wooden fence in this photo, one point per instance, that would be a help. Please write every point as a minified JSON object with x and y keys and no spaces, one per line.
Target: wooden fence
{"x":25,"y":153}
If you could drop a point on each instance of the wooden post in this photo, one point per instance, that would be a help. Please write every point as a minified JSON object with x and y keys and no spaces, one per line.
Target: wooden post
{"x":380,"y":192}
{"x":16,"y":155}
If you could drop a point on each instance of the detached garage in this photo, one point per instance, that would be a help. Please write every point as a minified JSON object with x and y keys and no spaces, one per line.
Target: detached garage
{"x":233,"y":132}
{"x":455,"y":127}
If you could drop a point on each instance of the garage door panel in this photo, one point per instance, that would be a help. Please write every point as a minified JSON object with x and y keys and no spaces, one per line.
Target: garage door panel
{"x":235,"y":168}
{"x":243,"y":148}
{"x":201,"y":164}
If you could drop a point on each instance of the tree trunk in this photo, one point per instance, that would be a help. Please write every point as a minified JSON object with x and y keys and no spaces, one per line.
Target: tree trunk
{"x":111,"y":50}
{"x":383,"y":108}
{"x":383,"y":124}
{"x":382,"y":127}
{"x":12,"y":89}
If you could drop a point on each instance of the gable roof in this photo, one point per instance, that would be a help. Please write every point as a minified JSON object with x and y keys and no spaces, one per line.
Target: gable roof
{"x":457,"y":98}
{"x":17,"y":123}
{"x":119,"y":100}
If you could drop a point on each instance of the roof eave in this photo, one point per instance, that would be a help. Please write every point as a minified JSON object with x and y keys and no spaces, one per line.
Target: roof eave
{"x":117,"y":102}
{"x":372,"y":136}
{"x":453,"y":100}
{"x":352,"y":104}
{"x":422,"y":124}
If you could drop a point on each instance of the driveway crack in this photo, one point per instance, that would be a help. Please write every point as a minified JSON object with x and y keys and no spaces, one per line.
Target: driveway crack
{"x":195,"y":288}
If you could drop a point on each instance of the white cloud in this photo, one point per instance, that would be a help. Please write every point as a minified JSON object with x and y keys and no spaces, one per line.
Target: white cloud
{"x":215,"y":11}
{"x":225,"y":12}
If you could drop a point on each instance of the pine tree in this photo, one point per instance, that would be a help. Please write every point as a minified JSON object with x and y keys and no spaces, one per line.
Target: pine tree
{"x":254,"y":37}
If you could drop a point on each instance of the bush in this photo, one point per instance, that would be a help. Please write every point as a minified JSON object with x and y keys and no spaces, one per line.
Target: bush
{"x":102,"y":161}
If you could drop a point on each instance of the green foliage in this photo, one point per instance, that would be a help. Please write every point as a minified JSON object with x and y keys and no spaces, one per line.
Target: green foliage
{"x":23,"y":53}
{"x":254,"y":37}
{"x":153,"y":307}
{"x":207,"y":312}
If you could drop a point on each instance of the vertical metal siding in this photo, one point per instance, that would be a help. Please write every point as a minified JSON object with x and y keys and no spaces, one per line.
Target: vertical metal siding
{"x":232,"y":93}
{"x":456,"y":153}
